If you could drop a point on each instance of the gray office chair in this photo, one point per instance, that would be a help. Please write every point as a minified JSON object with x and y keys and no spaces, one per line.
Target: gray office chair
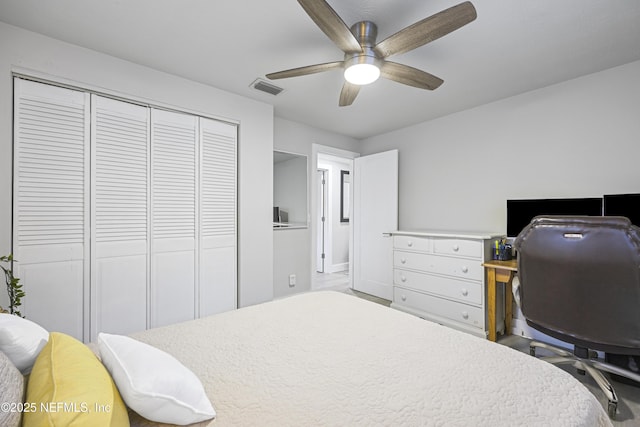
{"x":580,"y":283}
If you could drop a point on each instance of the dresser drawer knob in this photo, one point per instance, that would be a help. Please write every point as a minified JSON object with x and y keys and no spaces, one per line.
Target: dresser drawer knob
{"x":465,"y":315}
{"x":403,"y":297}
{"x":403,"y":260}
{"x":410,"y":243}
{"x":403,"y":278}
{"x":456,"y":248}
{"x":465,"y":292}
{"x":465,"y":269}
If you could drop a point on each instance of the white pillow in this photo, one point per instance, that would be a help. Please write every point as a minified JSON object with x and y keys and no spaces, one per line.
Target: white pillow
{"x":153,"y":383}
{"x":21,"y":340}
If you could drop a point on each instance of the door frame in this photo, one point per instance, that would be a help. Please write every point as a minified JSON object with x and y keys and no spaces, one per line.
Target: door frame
{"x":321,"y":229}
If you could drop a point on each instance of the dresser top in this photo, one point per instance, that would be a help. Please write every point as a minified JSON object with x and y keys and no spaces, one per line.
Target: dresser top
{"x":456,"y":234}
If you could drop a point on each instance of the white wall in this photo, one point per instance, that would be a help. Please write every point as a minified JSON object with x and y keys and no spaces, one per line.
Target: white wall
{"x":292,"y":248}
{"x":43,"y":56}
{"x":579,"y":138}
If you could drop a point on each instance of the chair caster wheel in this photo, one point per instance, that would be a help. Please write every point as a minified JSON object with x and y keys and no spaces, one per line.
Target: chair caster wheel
{"x":532,"y":350}
{"x":611,"y":409}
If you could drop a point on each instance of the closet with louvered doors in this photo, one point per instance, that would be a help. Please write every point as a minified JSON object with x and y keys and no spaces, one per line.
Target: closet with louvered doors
{"x":124,"y":215}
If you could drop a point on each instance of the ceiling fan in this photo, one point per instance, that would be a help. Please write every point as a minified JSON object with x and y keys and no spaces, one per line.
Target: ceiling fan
{"x":365,"y":60}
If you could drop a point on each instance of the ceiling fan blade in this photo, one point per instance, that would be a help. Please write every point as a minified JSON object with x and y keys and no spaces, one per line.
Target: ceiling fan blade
{"x":303,"y":71}
{"x":409,"y":76}
{"x":348,"y":94}
{"x":333,"y":26}
{"x":427,"y":30}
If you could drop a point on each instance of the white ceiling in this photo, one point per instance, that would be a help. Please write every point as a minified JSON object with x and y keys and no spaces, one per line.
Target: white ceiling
{"x":514,"y":46}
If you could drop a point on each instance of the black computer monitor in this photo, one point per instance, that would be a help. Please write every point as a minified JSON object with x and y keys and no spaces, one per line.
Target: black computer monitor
{"x":520,"y":212}
{"x":627,"y":205}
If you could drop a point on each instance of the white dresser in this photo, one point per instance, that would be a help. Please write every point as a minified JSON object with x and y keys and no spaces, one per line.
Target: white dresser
{"x":439,"y":276}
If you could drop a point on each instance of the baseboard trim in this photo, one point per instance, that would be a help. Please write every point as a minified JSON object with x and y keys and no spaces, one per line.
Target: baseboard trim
{"x":336,"y":268}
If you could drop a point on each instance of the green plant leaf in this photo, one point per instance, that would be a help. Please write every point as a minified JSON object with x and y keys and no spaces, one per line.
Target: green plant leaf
{"x":14,"y":287}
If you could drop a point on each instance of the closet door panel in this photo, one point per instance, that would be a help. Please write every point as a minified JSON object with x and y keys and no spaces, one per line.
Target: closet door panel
{"x":122,"y":299}
{"x":55,"y":295}
{"x":218,"y":291}
{"x":120,"y":198}
{"x":51,"y":163}
{"x":173,"y":213}
{"x":218,"y":200}
{"x":174,"y":294}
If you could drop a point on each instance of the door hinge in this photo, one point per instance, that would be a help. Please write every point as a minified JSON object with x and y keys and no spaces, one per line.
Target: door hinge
{"x":322,"y":256}
{"x":322,"y":219}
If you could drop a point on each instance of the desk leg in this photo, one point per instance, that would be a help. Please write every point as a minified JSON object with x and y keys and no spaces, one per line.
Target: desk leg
{"x":508,"y":305}
{"x":491,"y":302}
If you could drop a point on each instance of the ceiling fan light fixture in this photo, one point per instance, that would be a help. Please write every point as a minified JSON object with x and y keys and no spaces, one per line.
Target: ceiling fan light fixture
{"x":362,"y":74}
{"x":365,"y":59}
{"x":362,"y":70}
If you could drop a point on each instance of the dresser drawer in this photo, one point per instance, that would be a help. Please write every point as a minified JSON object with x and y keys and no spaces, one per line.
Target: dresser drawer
{"x":468,"y":292}
{"x":458,"y":267}
{"x":463,"y":313}
{"x":412,"y":243}
{"x":458,"y":247}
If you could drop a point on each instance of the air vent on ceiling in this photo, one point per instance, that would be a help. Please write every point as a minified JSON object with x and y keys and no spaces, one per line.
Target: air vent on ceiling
{"x":269,"y":88}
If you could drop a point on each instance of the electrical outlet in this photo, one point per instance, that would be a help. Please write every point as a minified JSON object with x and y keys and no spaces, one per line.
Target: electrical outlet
{"x":292,"y":280}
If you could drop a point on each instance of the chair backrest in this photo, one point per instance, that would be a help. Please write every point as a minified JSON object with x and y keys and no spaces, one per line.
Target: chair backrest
{"x":580,"y":280}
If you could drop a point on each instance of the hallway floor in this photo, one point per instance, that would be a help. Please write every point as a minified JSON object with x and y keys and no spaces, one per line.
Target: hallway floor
{"x":338,"y":280}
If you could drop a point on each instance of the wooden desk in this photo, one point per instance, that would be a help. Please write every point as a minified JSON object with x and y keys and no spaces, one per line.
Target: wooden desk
{"x":503,"y":272}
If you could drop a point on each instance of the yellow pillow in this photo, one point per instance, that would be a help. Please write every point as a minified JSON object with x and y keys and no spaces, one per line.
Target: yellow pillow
{"x":69,"y":386}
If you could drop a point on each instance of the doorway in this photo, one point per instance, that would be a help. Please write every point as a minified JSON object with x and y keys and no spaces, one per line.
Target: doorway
{"x":331,"y":231}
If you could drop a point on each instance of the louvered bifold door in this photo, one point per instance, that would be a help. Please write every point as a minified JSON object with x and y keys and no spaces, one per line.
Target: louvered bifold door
{"x":218,"y":160}
{"x":51,"y":205}
{"x":173,"y":216}
{"x":119,"y":209}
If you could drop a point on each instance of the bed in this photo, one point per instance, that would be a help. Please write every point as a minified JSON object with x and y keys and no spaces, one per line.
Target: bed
{"x":332,"y":359}
{"x":314,"y":359}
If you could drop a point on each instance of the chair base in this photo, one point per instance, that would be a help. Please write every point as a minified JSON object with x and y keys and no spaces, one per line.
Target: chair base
{"x":589,"y":365}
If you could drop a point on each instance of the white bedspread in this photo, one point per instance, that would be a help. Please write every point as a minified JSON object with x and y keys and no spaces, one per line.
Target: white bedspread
{"x":330,"y":359}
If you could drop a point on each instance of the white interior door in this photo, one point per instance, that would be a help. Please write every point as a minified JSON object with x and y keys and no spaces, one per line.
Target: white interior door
{"x":119,"y":209}
{"x":51,"y":195}
{"x":375,"y":212}
{"x":217,"y":290}
{"x":173,"y":213}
